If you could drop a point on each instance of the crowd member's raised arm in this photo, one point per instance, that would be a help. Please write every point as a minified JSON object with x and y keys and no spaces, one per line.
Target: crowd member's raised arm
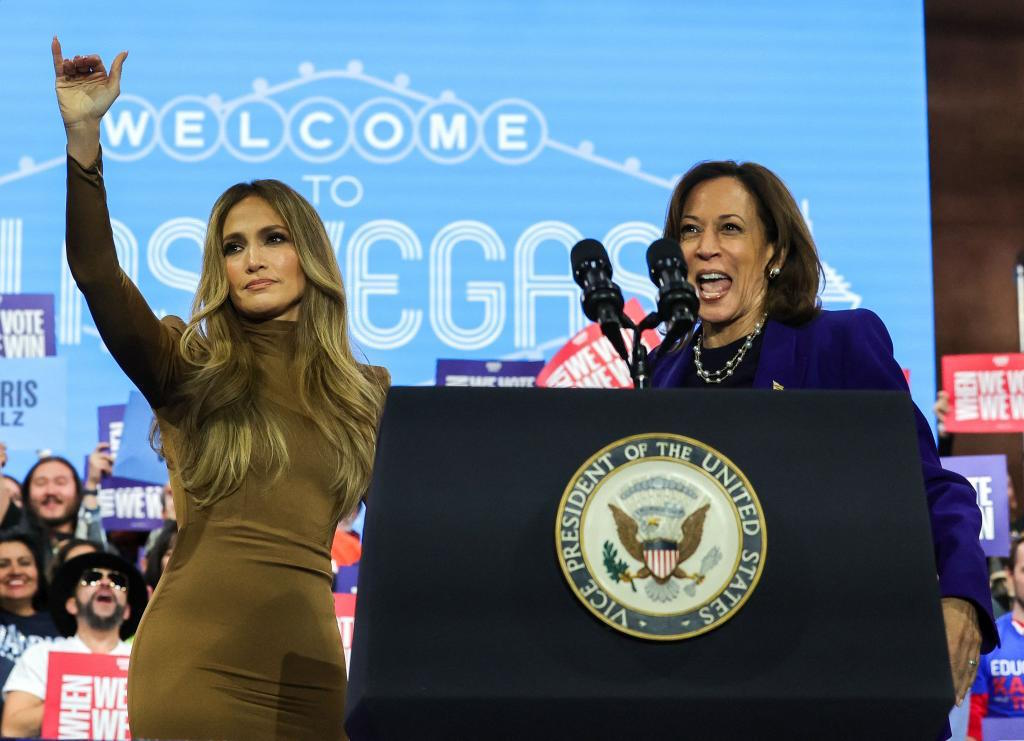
{"x":144,"y":348}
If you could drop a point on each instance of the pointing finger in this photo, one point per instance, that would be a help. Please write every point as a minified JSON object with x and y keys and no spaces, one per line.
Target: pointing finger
{"x":58,"y":59}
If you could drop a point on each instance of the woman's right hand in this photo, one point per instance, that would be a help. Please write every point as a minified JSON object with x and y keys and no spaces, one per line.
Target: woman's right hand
{"x":85,"y":91}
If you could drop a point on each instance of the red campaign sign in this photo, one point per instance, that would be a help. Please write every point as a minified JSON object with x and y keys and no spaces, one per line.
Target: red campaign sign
{"x":86,"y":696}
{"x":345,"y":612}
{"x":986,"y":392}
{"x":588,"y":360}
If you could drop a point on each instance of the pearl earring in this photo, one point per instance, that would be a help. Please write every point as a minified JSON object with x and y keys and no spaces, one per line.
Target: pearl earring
{"x":773,"y":273}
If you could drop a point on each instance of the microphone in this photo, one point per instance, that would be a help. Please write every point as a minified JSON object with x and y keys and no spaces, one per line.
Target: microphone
{"x":677,"y":300}
{"x":602,"y":299}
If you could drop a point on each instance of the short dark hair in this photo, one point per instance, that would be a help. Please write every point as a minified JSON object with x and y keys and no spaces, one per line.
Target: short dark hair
{"x":1013,"y":551}
{"x":792,"y":296}
{"x":39,"y":599}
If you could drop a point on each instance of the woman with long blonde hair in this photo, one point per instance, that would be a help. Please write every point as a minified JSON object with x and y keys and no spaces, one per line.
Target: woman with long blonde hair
{"x":268,"y":425}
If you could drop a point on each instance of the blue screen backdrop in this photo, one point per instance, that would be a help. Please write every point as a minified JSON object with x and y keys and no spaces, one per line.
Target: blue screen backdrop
{"x":457,"y":150}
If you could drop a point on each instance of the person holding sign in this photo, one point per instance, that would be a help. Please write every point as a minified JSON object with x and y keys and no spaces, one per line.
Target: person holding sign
{"x":268,"y":425}
{"x":998,"y":689}
{"x":96,"y":602}
{"x":752,"y":260}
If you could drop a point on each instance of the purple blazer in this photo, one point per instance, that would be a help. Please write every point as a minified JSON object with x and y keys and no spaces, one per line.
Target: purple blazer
{"x":853,"y":350}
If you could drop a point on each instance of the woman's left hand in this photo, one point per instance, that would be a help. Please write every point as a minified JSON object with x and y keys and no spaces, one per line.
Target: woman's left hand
{"x":963,"y":638}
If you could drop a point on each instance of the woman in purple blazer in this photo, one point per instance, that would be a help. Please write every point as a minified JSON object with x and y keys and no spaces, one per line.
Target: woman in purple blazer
{"x":752,"y":260}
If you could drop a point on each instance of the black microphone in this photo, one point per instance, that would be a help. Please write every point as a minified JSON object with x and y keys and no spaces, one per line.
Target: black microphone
{"x":602,"y":299}
{"x":677,"y":300}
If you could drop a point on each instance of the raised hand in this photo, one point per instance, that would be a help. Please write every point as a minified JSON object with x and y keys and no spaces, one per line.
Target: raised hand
{"x":101,"y":463}
{"x":85,"y":91}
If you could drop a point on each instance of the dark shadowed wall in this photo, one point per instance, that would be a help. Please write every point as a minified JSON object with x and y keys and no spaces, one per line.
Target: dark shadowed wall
{"x":975,"y":54}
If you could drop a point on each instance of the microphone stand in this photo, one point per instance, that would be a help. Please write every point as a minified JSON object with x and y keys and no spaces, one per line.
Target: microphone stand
{"x":636,"y":359}
{"x":639,"y":368}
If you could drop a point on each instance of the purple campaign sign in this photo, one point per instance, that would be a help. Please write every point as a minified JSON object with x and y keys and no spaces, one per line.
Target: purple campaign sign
{"x":111,"y":423}
{"x":27,"y":325}
{"x":130,"y":505}
{"x":125,"y":504}
{"x":1002,"y":729}
{"x":987,"y":474}
{"x":489,"y":373}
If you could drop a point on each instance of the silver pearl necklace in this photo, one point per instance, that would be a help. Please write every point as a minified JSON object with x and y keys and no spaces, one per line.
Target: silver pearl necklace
{"x":734,"y":362}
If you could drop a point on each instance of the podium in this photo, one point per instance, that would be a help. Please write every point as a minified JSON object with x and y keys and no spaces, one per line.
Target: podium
{"x":467,"y":628}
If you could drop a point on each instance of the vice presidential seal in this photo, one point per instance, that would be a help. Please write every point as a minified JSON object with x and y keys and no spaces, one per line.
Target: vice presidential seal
{"x":661,"y":536}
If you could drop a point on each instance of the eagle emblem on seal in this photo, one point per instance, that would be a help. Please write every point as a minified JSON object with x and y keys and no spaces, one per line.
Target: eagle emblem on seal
{"x":656,"y":528}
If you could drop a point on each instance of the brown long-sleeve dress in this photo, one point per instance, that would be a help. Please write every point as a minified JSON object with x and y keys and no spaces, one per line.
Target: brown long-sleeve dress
{"x":239,"y":640}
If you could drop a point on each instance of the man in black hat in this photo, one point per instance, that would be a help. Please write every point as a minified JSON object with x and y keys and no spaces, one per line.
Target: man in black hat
{"x":97,"y":600}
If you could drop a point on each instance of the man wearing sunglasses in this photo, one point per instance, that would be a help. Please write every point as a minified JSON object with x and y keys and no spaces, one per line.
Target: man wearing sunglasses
{"x":97,"y":600}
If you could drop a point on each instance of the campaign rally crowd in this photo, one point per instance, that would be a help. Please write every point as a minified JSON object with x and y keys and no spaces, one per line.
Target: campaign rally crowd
{"x":69,"y":585}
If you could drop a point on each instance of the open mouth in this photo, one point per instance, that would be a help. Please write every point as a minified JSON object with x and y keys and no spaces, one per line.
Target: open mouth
{"x":712,"y":285}
{"x":104,"y":599}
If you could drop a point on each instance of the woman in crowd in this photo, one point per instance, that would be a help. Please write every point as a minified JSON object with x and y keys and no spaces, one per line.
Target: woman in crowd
{"x":24,"y":619}
{"x":268,"y":425}
{"x":752,"y":260}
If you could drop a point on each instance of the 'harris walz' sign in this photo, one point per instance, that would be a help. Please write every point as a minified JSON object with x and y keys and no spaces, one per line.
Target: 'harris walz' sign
{"x":26,"y":325}
{"x":33,"y":404}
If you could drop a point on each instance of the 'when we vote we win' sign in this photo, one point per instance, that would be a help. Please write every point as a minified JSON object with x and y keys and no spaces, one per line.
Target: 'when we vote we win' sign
{"x":86,"y":697}
{"x":26,"y":326}
{"x":986,"y":392}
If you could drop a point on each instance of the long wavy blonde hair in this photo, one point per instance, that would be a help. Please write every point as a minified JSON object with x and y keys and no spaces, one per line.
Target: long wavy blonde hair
{"x":224,"y":429}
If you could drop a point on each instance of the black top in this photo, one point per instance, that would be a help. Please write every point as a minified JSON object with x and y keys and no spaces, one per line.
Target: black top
{"x":715,"y":358}
{"x":18,"y":632}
